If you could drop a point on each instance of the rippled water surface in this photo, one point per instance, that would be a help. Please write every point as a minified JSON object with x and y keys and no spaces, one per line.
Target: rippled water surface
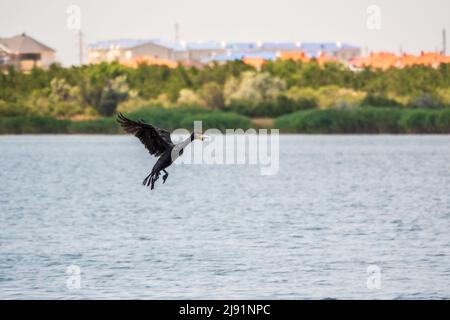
{"x":338,"y":205}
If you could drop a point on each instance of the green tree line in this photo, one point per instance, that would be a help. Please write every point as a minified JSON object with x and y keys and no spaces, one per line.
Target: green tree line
{"x":280,"y":88}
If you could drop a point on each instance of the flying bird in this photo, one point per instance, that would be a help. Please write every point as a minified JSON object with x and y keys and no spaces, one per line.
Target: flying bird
{"x":158,"y":143}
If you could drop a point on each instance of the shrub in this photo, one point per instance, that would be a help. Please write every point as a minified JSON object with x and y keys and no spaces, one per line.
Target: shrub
{"x":212,"y":95}
{"x":217,"y":120}
{"x":378,"y":100}
{"x":184,"y":117}
{"x":335,"y":97}
{"x":443,"y":95}
{"x":419,"y":121}
{"x":366,"y":120}
{"x":255,"y":87}
{"x":10,"y":109}
{"x":188,"y":97}
{"x":425,"y":100}
{"x":442,"y":121}
{"x":30,"y":125}
{"x":103,"y":126}
{"x":304,"y":98}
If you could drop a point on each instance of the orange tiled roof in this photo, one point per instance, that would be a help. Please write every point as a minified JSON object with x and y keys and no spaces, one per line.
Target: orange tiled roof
{"x":430,"y":58}
{"x":255,"y":62}
{"x":294,"y":55}
{"x":136,"y":61}
{"x":324,"y":58}
{"x":301,"y":56}
{"x":386,"y":60}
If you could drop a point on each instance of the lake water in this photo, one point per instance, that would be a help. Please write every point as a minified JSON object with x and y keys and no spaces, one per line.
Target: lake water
{"x":338,"y":206}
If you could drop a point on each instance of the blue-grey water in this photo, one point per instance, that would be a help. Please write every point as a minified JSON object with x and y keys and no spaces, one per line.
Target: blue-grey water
{"x":338,"y":206}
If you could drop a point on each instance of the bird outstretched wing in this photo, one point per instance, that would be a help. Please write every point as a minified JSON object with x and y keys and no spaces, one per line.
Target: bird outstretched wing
{"x":155,"y":140}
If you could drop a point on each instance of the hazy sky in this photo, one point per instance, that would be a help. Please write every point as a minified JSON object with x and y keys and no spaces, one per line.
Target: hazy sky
{"x":413,"y":25}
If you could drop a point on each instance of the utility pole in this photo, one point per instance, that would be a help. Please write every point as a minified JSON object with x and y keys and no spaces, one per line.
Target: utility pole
{"x":444,"y":42}
{"x":80,"y":46}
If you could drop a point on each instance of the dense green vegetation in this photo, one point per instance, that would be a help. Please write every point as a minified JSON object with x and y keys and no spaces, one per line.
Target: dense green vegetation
{"x":366,"y":120}
{"x":170,"y":119}
{"x":304,"y":97}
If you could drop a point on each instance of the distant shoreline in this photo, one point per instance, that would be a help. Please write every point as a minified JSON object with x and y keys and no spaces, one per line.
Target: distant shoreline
{"x":370,"y":121}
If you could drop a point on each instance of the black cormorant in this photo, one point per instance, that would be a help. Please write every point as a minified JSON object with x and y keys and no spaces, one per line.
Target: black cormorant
{"x":158,"y":143}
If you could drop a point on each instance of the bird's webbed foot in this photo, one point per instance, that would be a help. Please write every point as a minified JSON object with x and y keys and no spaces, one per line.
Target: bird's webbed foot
{"x":146,"y":179}
{"x":165,"y":176}
{"x":153,"y":179}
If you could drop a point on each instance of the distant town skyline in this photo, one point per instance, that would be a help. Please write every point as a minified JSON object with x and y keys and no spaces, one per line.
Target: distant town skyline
{"x":410,"y":26}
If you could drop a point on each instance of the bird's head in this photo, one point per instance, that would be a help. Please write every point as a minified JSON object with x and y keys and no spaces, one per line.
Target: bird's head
{"x":198,"y":136}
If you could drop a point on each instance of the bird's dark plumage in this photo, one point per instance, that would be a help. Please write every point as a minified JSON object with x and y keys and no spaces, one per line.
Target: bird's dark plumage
{"x":158,"y":143}
{"x":155,"y":140}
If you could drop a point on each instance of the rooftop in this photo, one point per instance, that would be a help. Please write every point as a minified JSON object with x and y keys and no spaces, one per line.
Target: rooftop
{"x":122,"y":43}
{"x":309,"y":47}
{"x":23,"y":43}
{"x":386,"y":60}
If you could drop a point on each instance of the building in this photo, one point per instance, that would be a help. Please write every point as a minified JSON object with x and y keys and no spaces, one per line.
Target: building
{"x":24,"y":53}
{"x":386,"y":60}
{"x":257,"y":52}
{"x":253,"y":58}
{"x":149,"y":60}
{"x":200,"y":53}
{"x":342,"y":52}
{"x":5,"y":55}
{"x":126,"y":50}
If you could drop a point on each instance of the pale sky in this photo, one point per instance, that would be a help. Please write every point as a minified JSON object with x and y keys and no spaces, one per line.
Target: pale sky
{"x":414,"y":25}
